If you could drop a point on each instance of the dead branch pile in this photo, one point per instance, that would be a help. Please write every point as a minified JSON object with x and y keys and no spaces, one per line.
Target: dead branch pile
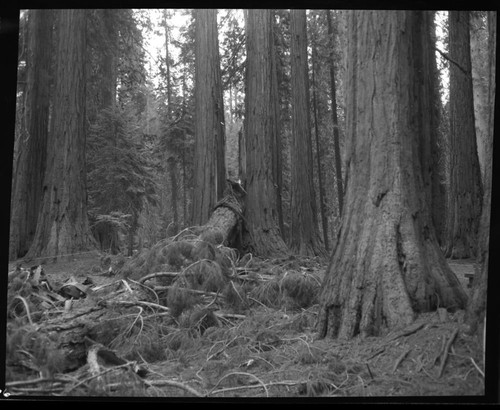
{"x":145,"y":320}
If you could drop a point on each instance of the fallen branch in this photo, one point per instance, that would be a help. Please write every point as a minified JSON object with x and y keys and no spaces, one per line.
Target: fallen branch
{"x":258,"y":386}
{"x":143,"y":303}
{"x":408,"y":331}
{"x":157,"y":275}
{"x":26,"y":307}
{"x":446,"y":349}
{"x":20,"y":383}
{"x":447,"y":57}
{"x":97,"y":375}
{"x":477,"y":367}
{"x":229,"y":315}
{"x":400,"y":359}
{"x":243,"y":374}
{"x":155,"y":383}
{"x":198,"y":292}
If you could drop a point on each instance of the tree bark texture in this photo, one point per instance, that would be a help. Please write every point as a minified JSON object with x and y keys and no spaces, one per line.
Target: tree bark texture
{"x":305,"y":237}
{"x":480,"y":82}
{"x":465,"y":191}
{"x":321,"y":184}
{"x":62,"y":223}
{"x":335,"y":122}
{"x":172,"y":171}
{"x":261,"y":150}
{"x":109,"y":58}
{"x":31,"y":162}
{"x":477,"y":305}
{"x":277,"y":147}
{"x":209,"y":169}
{"x":387,"y":264}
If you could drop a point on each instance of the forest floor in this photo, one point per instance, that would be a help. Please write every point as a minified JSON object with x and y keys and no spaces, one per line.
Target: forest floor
{"x":257,"y":350}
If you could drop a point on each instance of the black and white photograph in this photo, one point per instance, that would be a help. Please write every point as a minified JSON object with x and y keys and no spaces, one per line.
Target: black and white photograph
{"x":222,"y":204}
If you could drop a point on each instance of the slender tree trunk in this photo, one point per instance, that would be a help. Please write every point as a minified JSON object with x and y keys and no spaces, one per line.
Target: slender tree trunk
{"x":305,"y":238}
{"x":335,"y":122}
{"x":172,"y":170}
{"x":171,"y":160}
{"x":322,"y":203}
{"x":167,"y":64}
{"x":276,"y":142}
{"x":261,"y":210}
{"x":62,"y":226}
{"x":387,"y":263}
{"x":209,"y":167}
{"x":28,"y":180}
{"x":242,"y":160}
{"x":230,"y":104}
{"x":465,"y":194}
{"x":184,"y":189}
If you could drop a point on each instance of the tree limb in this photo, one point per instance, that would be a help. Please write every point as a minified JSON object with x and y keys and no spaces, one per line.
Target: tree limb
{"x":447,"y":57}
{"x":446,"y":349}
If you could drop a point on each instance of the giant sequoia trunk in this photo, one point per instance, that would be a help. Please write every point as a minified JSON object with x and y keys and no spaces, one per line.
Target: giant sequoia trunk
{"x":465,"y":192}
{"x":30,"y":164}
{"x":387,"y":264}
{"x":209,"y":169}
{"x":477,"y":306}
{"x":305,"y":237}
{"x":261,"y":151}
{"x":62,"y":223}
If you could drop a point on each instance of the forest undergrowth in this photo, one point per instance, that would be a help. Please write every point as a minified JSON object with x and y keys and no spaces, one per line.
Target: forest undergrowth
{"x":211,"y":324}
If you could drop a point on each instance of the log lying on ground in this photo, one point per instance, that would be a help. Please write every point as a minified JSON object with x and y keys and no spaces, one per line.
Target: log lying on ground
{"x":195,"y":243}
{"x":52,"y":327}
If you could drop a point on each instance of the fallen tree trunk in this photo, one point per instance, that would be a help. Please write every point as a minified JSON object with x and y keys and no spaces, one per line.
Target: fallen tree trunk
{"x":223,"y":229}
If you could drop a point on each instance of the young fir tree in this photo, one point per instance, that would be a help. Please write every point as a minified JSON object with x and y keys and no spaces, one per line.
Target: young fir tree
{"x":387,"y":263}
{"x":62,"y":226}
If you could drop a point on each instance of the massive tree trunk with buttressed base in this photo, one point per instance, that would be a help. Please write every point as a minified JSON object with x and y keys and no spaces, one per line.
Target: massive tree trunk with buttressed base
{"x":209,"y":173}
{"x":63,"y":226}
{"x":30,"y":164}
{"x":386,"y":264}
{"x":465,"y":194}
{"x":261,"y":150}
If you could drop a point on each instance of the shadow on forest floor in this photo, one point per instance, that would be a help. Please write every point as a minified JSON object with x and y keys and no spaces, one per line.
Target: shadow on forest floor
{"x":264,"y":346}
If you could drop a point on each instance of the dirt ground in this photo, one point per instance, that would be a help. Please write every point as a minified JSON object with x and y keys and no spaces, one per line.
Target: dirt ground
{"x":265,"y":352}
